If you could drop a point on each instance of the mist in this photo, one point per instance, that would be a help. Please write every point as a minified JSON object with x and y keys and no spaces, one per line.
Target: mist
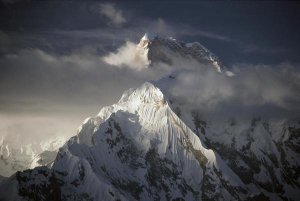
{"x":255,"y":90}
{"x":50,"y":94}
{"x":244,"y":90}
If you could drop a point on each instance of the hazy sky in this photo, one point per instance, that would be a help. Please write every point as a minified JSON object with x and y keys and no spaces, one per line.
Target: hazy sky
{"x":51,"y":72}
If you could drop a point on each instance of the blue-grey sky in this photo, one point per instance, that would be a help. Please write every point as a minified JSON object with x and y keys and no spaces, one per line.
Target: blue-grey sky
{"x":256,"y":32}
{"x":50,"y":51}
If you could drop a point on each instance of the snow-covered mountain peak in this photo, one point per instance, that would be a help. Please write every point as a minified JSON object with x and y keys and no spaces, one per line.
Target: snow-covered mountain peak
{"x":168,"y":49}
{"x":146,"y":39}
{"x":147,"y":102}
{"x":127,"y":140}
{"x":147,"y":93}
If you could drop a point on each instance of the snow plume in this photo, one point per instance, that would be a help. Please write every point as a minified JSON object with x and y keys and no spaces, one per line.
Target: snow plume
{"x":255,"y":90}
{"x":129,"y":55}
{"x":112,"y":13}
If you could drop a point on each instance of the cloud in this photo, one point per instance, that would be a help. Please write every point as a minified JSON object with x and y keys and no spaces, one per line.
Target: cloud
{"x":37,"y":74}
{"x":103,"y":38}
{"x":49,"y":83}
{"x":43,"y":79}
{"x":37,"y":85}
{"x":129,"y":55}
{"x":68,"y":88}
{"x":212,"y":35}
{"x":112,"y":13}
{"x":262,"y":90}
{"x":34,"y":81}
{"x":255,"y":90}
{"x":22,"y":129}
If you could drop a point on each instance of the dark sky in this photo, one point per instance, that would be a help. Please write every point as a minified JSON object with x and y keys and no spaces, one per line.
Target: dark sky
{"x":256,"y":32}
{"x":50,"y":51}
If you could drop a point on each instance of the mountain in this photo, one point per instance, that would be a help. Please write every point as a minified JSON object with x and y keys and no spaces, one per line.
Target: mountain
{"x":17,"y":154}
{"x":159,"y":49}
{"x":151,"y":145}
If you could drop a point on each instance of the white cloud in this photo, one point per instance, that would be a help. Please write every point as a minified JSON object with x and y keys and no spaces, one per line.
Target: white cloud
{"x":112,"y":13}
{"x":60,"y":90}
{"x":78,"y":84}
{"x":129,"y":55}
{"x":254,"y":90}
{"x":21,"y":129}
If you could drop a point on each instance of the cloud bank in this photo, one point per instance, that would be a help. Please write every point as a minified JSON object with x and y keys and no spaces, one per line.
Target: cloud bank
{"x":255,"y":90}
{"x":62,"y":90}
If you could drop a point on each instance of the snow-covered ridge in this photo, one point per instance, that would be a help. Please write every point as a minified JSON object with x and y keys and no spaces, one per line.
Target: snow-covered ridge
{"x":160,"y":49}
